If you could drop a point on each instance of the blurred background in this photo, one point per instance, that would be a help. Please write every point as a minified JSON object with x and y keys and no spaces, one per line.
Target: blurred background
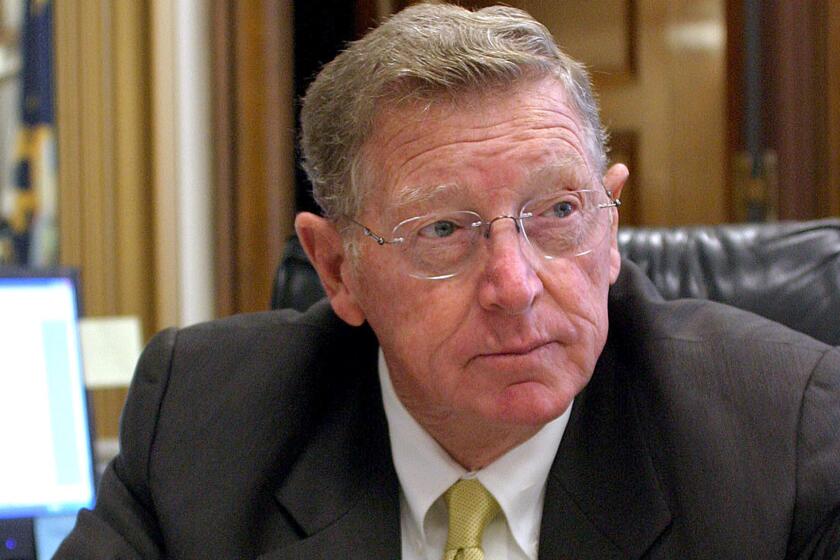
{"x":150,"y":143}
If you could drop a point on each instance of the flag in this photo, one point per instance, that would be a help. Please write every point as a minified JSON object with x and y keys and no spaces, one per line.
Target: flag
{"x":32,"y":221}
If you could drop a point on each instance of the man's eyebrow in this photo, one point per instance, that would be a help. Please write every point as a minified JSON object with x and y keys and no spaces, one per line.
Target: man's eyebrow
{"x":571,"y":168}
{"x":410,"y":195}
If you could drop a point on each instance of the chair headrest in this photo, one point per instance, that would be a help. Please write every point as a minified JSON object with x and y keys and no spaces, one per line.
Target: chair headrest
{"x":787,"y":271}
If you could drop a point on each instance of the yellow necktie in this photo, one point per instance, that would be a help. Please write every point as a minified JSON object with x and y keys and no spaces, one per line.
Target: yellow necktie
{"x":471,"y":509}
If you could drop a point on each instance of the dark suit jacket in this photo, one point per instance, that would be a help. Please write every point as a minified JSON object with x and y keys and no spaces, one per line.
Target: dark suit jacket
{"x":705,"y":432}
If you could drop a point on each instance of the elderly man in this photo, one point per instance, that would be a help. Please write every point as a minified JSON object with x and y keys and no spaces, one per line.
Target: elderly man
{"x":460,"y":396}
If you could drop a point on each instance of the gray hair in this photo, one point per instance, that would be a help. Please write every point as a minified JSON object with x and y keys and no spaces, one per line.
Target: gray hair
{"x":426,"y":52}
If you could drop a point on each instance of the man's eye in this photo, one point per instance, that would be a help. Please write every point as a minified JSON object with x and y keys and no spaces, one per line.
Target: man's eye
{"x":561,"y":209}
{"x":439,"y":229}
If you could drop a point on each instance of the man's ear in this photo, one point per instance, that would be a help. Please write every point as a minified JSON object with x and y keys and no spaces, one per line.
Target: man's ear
{"x":614,"y":181}
{"x":325,"y":249}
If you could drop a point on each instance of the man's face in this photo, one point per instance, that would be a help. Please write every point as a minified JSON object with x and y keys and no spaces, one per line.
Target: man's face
{"x":514,"y":337}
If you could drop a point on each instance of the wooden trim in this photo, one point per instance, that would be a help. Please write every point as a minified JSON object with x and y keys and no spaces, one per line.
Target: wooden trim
{"x":254,"y":147}
{"x":257,"y":251}
{"x":796,"y":103}
{"x":624,"y":148}
{"x":830,"y":196}
{"x":280,"y":136}
{"x":632,"y":38}
{"x":792,"y":113}
{"x":249,"y":45}
{"x":734,"y":102}
{"x":224,"y":149}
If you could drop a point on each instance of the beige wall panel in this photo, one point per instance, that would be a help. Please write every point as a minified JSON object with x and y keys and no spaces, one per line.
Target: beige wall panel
{"x":102,"y":142}
{"x":86,"y":197}
{"x":104,"y":159}
{"x":97,"y":224}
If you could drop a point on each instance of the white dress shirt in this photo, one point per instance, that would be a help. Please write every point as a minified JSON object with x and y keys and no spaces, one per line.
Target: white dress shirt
{"x":516,"y":479}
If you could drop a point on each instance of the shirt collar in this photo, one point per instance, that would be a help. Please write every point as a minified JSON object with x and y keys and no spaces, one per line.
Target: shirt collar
{"x":425,"y":470}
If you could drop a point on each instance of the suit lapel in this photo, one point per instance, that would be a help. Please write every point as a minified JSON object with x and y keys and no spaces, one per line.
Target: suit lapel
{"x":603,"y":499}
{"x":342,"y":493}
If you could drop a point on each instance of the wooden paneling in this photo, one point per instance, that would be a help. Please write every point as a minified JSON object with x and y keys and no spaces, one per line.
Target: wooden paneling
{"x":624,"y":148}
{"x":366,"y":16}
{"x":830,"y":192}
{"x":279,"y":141}
{"x":255,"y":100}
{"x":735,"y":109}
{"x":793,"y":104}
{"x":800,"y":108}
{"x":253,"y":130}
{"x":676,"y":106}
{"x":661,"y":80}
{"x":224,"y":151}
{"x":601,"y":33}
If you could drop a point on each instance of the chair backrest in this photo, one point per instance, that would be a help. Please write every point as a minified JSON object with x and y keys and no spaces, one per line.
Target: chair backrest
{"x":788,"y":271}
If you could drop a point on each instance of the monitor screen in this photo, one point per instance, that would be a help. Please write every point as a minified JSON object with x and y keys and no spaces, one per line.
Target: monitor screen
{"x":47,"y":465}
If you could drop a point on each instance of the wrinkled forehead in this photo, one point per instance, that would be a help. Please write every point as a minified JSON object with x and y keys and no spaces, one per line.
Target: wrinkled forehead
{"x":402,"y":133}
{"x":566,"y":172}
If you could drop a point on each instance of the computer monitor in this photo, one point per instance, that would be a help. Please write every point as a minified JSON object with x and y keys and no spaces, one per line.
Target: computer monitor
{"x":47,"y":466}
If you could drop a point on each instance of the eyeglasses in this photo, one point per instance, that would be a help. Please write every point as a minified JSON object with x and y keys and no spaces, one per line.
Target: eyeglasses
{"x":440,"y":245}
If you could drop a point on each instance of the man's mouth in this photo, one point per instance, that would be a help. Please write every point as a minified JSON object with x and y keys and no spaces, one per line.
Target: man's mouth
{"x":519,"y":350}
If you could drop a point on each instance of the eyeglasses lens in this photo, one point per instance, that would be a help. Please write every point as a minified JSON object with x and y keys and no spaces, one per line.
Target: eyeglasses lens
{"x":567,"y":224}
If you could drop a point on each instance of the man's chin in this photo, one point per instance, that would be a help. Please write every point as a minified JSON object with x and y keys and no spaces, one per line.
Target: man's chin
{"x":532,"y":404}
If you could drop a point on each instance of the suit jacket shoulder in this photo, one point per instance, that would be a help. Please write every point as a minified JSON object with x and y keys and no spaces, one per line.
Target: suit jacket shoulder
{"x":241,"y":437}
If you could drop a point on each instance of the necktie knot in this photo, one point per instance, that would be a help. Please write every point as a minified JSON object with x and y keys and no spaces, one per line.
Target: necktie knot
{"x":471,"y":509}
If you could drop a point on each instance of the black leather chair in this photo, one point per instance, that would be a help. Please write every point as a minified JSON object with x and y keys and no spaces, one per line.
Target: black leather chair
{"x":788,"y":272}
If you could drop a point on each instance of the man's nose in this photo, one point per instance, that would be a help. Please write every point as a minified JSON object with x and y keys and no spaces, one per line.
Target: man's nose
{"x":509,"y":282}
